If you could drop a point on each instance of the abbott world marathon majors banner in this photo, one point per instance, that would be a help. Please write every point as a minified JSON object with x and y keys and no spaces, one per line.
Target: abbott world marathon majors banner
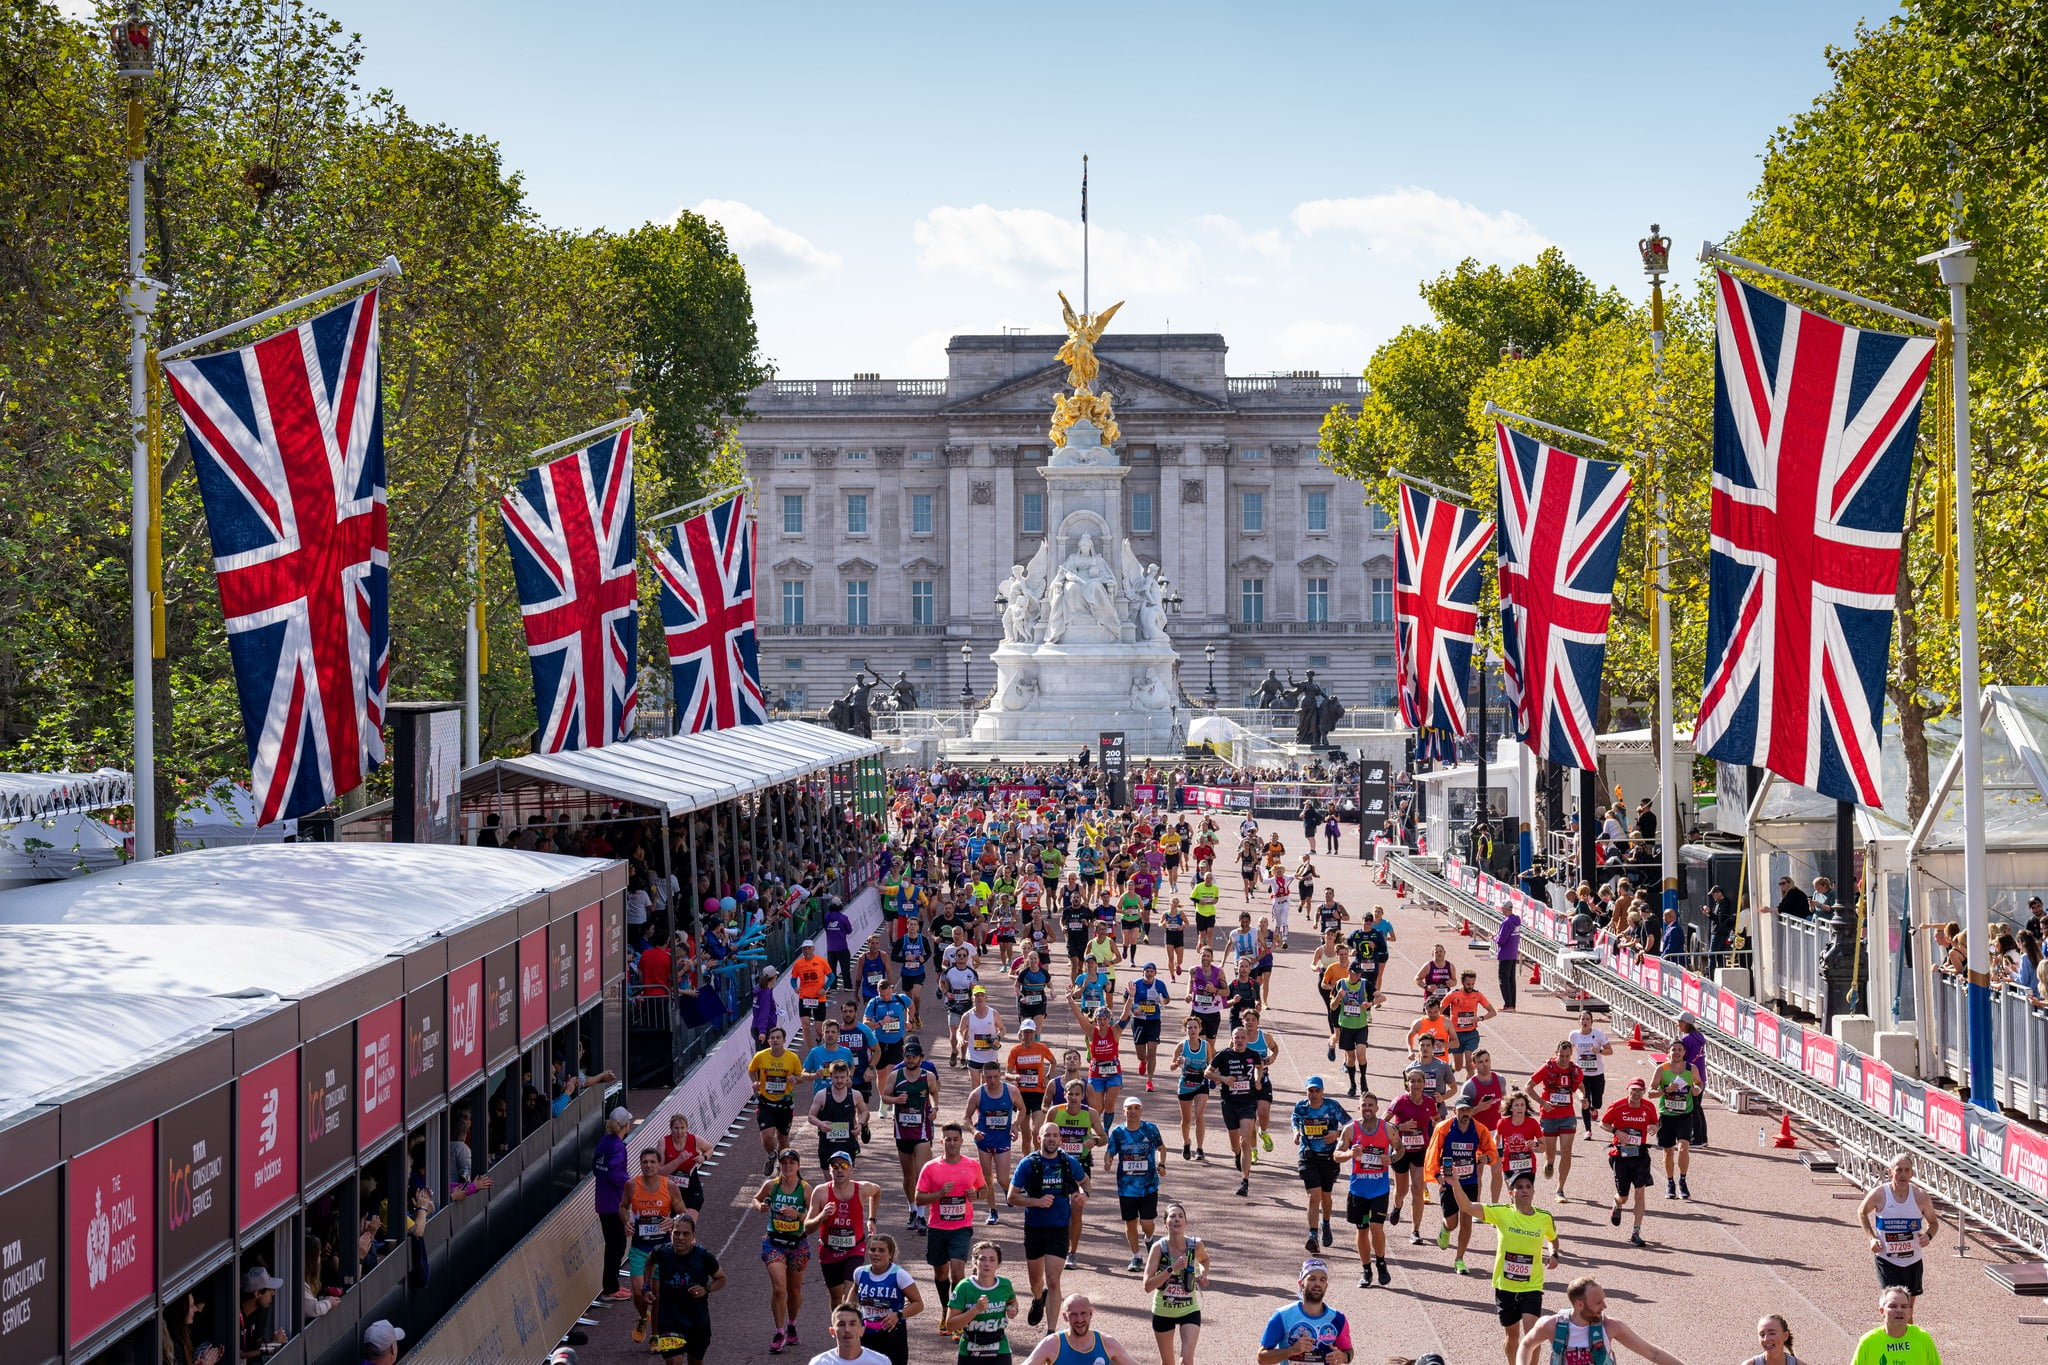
{"x":523,"y":1308}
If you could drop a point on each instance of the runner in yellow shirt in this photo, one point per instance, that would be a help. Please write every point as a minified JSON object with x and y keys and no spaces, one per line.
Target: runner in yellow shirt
{"x":1520,"y":1231}
{"x":774,"y":1072}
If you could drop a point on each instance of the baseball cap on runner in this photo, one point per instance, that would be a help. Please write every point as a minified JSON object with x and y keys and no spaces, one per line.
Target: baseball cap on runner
{"x":1313,"y":1083}
{"x":1639,"y":1084}
{"x":839,"y":1159}
{"x":1030,"y":1024}
{"x":1310,"y":1267}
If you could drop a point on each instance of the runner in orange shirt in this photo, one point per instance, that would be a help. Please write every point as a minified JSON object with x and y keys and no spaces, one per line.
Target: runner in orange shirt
{"x":810,"y":972}
{"x":1032,"y":1064}
{"x":1464,"y":1007}
{"x":1432,"y":1023}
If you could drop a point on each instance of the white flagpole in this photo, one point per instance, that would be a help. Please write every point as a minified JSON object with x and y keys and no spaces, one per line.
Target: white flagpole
{"x":1494,"y":409}
{"x":132,"y":59}
{"x":1713,"y":255}
{"x":1656,"y":257}
{"x":1437,"y":490}
{"x":716,"y":495}
{"x":388,"y":270}
{"x":632,"y":418}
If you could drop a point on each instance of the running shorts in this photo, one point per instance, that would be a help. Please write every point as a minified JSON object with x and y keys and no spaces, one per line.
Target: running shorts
{"x":1362,"y":1210}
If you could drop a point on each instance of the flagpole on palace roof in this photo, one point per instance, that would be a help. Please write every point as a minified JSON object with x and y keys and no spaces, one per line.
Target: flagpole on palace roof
{"x":132,"y":62}
{"x":1656,"y":253}
{"x":1084,"y":234}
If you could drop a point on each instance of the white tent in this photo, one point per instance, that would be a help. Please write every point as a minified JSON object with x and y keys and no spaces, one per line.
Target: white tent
{"x":1214,"y":730}
{"x":29,"y":796}
{"x":225,"y":817}
{"x":63,"y":845}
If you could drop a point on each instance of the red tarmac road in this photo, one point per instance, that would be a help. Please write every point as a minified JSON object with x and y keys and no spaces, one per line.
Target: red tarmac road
{"x":1761,"y":1234}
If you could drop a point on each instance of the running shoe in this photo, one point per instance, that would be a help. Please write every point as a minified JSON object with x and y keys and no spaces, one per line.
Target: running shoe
{"x":1244,"y":1189}
{"x":1635,"y":1239}
{"x":1073,"y":1264}
{"x":616,"y":1296}
{"x":1187,"y":1151}
{"x":1201,"y":1153}
{"x":1036,"y":1314}
{"x":1148,"y":1085}
{"x":993,"y":1218}
{"x":1255,"y":1156}
{"x":1266,"y":1139}
{"x":1326,"y":1232}
{"x":1563,"y":1198}
{"x":792,"y":1334}
{"x":1443,"y":1238}
{"x":1136,"y":1263}
{"x":1365,"y":1277}
{"x":776,"y":1343}
{"x":1310,"y":1244}
{"x":640,"y":1328}
{"x":1458,"y":1266}
{"x":1671,"y":1189}
{"x":1380,"y":1267}
{"x":1614,"y":1217}
{"x":1330,"y":1053}
{"x":1684,"y":1190}
{"x":1549,"y":1167}
{"x":910,"y":1223}
{"x":1415,"y":1238}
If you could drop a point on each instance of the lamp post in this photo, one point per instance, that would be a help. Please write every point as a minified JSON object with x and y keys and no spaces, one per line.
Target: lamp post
{"x":134,"y":49}
{"x":1656,"y":253}
{"x":966,"y":664}
{"x":1209,"y":652}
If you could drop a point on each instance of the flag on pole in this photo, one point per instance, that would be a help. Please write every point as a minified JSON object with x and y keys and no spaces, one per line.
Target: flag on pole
{"x":288,"y":444}
{"x":1557,"y":550}
{"x":1436,"y":608}
{"x":1814,"y":425}
{"x":569,"y":525}
{"x":706,"y":568}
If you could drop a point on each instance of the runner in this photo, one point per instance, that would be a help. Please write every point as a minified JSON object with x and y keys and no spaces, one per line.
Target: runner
{"x":1582,"y":1332}
{"x":1590,"y":1048}
{"x":1192,"y":1058}
{"x":980,"y":1309}
{"x":946,"y":1186}
{"x":1326,"y":964}
{"x":1457,"y":1149}
{"x":1308,"y":1328}
{"x":1678,"y":1090}
{"x":887,"y":1296}
{"x":1075,"y":917}
{"x":1431,"y":1028}
{"x":888,"y":1015}
{"x":1175,"y":925}
{"x":1269,"y":944}
{"x":1204,"y":894}
{"x":1487,"y":1088}
{"x":811,"y":973}
{"x":1267,"y":1048}
{"x":1282,"y":888}
{"x":1237,"y":1070}
{"x":785,"y":1250}
{"x":1318,"y":1124}
{"x":1369,"y":1147}
{"x":1244,"y":944}
{"x":682,"y":1159}
{"x":1551,"y":1088}
{"x":1413,"y":1115}
{"x":1519,"y":1260}
{"x":1352,"y":1002}
{"x":774,"y":1072}
{"x":960,"y":989}
{"x":839,"y":1116}
{"x":1031,"y":1064}
{"x":682,"y":1276}
{"x":1080,"y":1133}
{"x":1244,"y":991}
{"x":981,"y":1030}
{"x":911,"y":1088}
{"x":912,"y":955}
{"x":1774,"y":1335}
{"x":1144,"y":1005}
{"x":650,"y":1202}
{"x":859,"y":1041}
{"x":1105,"y":1058}
{"x":1132,"y":1152}
{"x":871,"y":969}
{"x":1177,"y":1271}
{"x":1034,"y":983}
{"x":1079,"y":1343}
{"x":1438,"y":1080}
{"x":1896,"y":1340}
{"x":1050,"y":1185}
{"x":1519,"y":1137}
{"x":1434,"y":977}
{"x":842,"y":1211}
{"x":848,"y":1345}
{"x":992,"y":1110}
{"x":1463,"y":1007}
{"x":1630,"y":1120}
{"x":1900,"y":1220}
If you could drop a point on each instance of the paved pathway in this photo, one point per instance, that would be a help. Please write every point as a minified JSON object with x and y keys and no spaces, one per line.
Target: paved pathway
{"x":1761,"y":1235}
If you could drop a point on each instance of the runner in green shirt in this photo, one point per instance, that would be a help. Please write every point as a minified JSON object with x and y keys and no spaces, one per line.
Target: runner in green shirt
{"x":981,"y":1308}
{"x":1520,"y":1231}
{"x":1897,"y":1341}
{"x":1677,"y":1089}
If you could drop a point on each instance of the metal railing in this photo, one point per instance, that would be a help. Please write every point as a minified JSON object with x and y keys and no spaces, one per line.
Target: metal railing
{"x":2019,"y":1042}
{"x":1795,"y":964}
{"x":1868,"y":1141}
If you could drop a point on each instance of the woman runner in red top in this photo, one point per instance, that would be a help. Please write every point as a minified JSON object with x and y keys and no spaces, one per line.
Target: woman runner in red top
{"x":1552,"y":1088}
{"x":1518,"y":1137}
{"x":1105,"y":1061}
{"x":682,"y":1160}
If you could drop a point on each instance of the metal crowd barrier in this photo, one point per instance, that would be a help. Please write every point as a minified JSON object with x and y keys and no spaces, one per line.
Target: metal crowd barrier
{"x":1795,"y":959}
{"x":1867,"y":1141}
{"x":2019,"y":1039}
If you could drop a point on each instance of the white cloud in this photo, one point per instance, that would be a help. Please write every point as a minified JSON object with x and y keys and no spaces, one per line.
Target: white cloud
{"x":1266,"y":243}
{"x":1031,"y":248}
{"x":773,"y":254}
{"x":1332,"y":347}
{"x":1420,"y":224}
{"x":81,"y":10}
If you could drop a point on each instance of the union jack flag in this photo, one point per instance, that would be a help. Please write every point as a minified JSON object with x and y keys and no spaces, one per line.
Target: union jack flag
{"x":1814,"y":425}
{"x":288,"y":442}
{"x":569,"y":524}
{"x":706,"y":567}
{"x":1436,"y":608}
{"x":1558,"y":546}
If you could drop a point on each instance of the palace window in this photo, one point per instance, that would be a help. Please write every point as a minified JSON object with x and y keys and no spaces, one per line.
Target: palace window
{"x":793,"y":604}
{"x":1316,"y":511}
{"x":922,"y":602}
{"x":1253,"y":507}
{"x":1141,"y":514}
{"x":792,"y":514}
{"x":856,"y":601}
{"x":1031,"y":517}
{"x":1252,"y":600}
{"x":920,"y":514}
{"x":1383,"y":601}
{"x":856,"y":514}
{"x":1317,"y":602}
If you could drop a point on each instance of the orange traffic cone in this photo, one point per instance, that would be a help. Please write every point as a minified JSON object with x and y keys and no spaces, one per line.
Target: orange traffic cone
{"x":1535,"y":973}
{"x":1785,"y":1138}
{"x":1464,"y":927}
{"x":1635,"y":1042}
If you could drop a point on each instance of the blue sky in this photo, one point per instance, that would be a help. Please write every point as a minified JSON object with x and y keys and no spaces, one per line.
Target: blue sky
{"x":1284,"y":174}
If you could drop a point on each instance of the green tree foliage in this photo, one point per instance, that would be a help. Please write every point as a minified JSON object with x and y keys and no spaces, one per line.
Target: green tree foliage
{"x":270,"y":173}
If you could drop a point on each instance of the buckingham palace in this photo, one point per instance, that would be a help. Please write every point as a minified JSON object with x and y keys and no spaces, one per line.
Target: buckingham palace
{"x":891,"y":510}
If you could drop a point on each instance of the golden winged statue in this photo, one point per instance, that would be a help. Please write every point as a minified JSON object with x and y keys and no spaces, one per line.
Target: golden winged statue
{"x":1083,"y":331}
{"x":1095,"y":407}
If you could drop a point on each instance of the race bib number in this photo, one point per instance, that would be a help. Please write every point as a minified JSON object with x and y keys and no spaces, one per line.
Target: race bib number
{"x":789,"y":1225}
{"x":1208,"y":1004}
{"x":1630,"y":1148}
{"x":1314,"y":1129}
{"x":1372,"y":1162}
{"x":1463,"y":1170}
{"x":1134,"y":1165}
{"x":647,"y":1228}
{"x":1240,"y":1084}
{"x":1467,"y":1021}
{"x":1521,"y":1161}
{"x":839,"y":1241}
{"x":1413,"y":1142}
{"x":1560,"y":1099}
{"x":995,"y":1123}
{"x":838,"y":1131}
{"x":1105,"y":1071}
{"x":1517,"y":1265}
{"x":910,"y":1122}
{"x":1174,"y":1292}
{"x":952,"y":1208}
{"x":775,"y":1087}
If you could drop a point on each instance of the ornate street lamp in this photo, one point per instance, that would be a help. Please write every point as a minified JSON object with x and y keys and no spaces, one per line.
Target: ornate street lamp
{"x":966,"y":664}
{"x":1209,"y":652}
